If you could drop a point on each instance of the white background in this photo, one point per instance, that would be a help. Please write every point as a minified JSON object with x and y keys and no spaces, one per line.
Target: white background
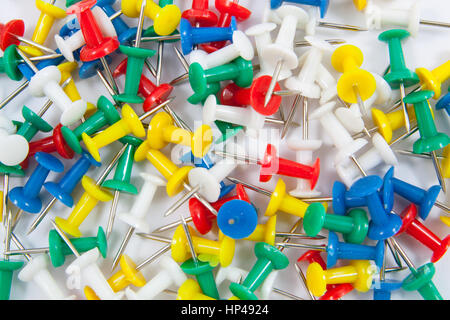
{"x":429,"y":49}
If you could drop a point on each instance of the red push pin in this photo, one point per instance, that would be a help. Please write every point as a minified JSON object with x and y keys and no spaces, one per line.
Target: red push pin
{"x":227,"y":9}
{"x":200,"y":15}
{"x":53,"y":143}
{"x":232,"y":95}
{"x":97,"y":46}
{"x":12,"y":33}
{"x":417,"y":230}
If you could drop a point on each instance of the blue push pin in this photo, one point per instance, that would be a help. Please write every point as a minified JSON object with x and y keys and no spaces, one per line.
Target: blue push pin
{"x":27,"y":197}
{"x":424,"y":199}
{"x":444,"y":103}
{"x":342,"y":201}
{"x":382,"y":289}
{"x":321,"y":4}
{"x":206,"y":163}
{"x":237,"y":219}
{"x":190,"y":37}
{"x":341,"y":250}
{"x":63,"y":189}
{"x":383,"y":224}
{"x":89,"y":69}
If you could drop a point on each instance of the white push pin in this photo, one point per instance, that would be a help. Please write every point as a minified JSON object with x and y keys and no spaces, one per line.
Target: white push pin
{"x":91,"y":274}
{"x":241,"y":47}
{"x":209,"y":181}
{"x":36,"y":270}
{"x":170,"y":274}
{"x":247,"y":117}
{"x":261,"y":34}
{"x":135,"y":218}
{"x":342,"y":140}
{"x":380,"y":153}
{"x":46,"y":83}
{"x":13,"y":147}
{"x":76,"y":40}
{"x":281,"y":53}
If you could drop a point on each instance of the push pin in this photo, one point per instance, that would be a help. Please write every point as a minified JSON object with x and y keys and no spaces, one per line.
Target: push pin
{"x":269,"y":259}
{"x":359,"y":273}
{"x":162,"y":131}
{"x":432,"y":80}
{"x":135,"y":217}
{"x":165,"y":19}
{"x":416,"y":229}
{"x":90,"y":271}
{"x":202,"y":270}
{"x":355,"y":84}
{"x":12,"y":34}
{"x":237,"y":219}
{"x":273,"y":164}
{"x":233,"y":95}
{"x":387,"y":123}
{"x":122,"y":176}
{"x":377,"y":17}
{"x":190,"y":290}
{"x":176,"y":177}
{"x":227,"y":9}
{"x":62,"y":190}
{"x":430,"y":139}
{"x":337,"y":250}
{"x":223,"y":248}
{"x":106,"y":114}
{"x":200,"y":14}
{"x":334,"y":291}
{"x":383,"y":224}
{"x":419,"y":279}
{"x":354,"y":225}
{"x":304,"y":82}
{"x":399,"y":75}
{"x":322,"y":5}
{"x":201,"y":216}
{"x":27,"y":197}
{"x":281,"y":52}
{"x":92,"y":195}
{"x":170,"y":274}
{"x":341,"y":138}
{"x":14,"y":146}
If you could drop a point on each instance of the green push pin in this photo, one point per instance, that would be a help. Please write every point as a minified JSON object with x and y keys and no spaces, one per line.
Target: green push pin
{"x":205,"y":278}
{"x":200,"y":97}
{"x":269,"y":259}
{"x":122,"y":177}
{"x":106,"y":114}
{"x":354,"y":226}
{"x":58,"y":249}
{"x":430,"y":140}
{"x":228,"y":130}
{"x":135,"y":64}
{"x":9,"y":63}
{"x":420,"y":280}
{"x":399,"y":73}
{"x":240,"y":71}
{"x":12,"y":170}
{"x":7,"y":268}
{"x":32,"y":124}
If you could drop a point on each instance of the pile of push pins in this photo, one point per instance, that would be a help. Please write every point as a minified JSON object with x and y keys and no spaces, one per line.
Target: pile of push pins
{"x":228,"y":202}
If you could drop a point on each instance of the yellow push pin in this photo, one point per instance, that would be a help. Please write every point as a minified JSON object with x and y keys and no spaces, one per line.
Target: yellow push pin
{"x":281,"y":201}
{"x":165,"y":20}
{"x":355,"y":85}
{"x":387,"y":123}
{"x":446,"y":220}
{"x":92,"y":195}
{"x":223,"y":248}
{"x":70,"y":89}
{"x":445,"y":163}
{"x":129,"y":274}
{"x":90,"y":294}
{"x":190,"y":290}
{"x":432,"y":80}
{"x":360,"y":4}
{"x":130,"y":123}
{"x":265,"y":232}
{"x":359,"y":273}
{"x":163,"y":131}
{"x":49,"y":13}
